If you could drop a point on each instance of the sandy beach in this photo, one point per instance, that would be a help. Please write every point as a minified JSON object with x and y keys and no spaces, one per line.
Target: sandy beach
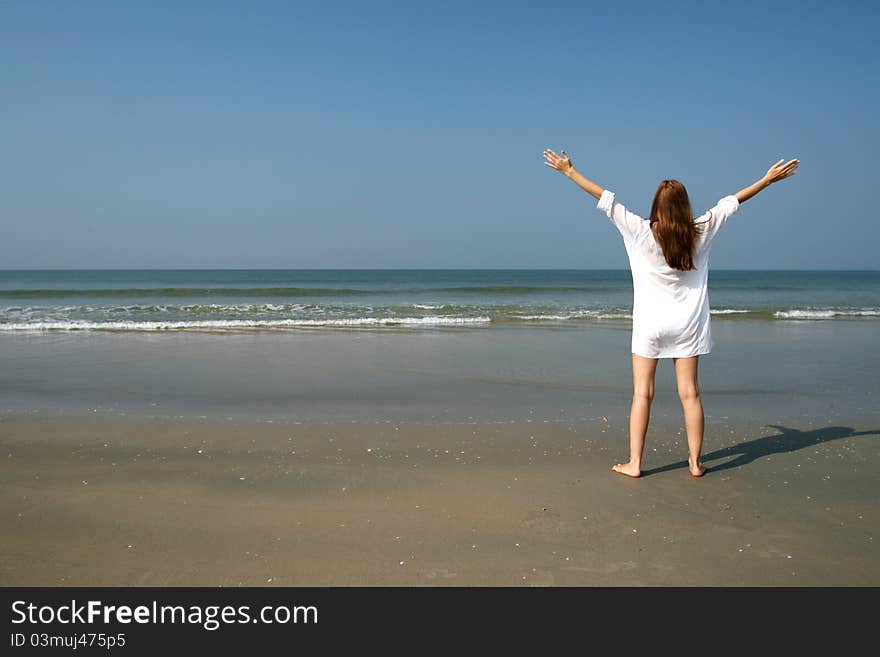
{"x":443,"y":455}
{"x":111,"y":501}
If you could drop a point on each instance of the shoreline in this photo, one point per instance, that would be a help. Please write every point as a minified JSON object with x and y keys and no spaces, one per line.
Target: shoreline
{"x":763,"y":372}
{"x":137,"y":502}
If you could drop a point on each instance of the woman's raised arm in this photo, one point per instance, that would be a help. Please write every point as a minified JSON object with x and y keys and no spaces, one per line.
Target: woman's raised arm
{"x":777,"y":172}
{"x":563,"y":165}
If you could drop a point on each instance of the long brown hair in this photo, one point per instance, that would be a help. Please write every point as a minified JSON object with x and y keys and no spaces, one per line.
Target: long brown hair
{"x":675,"y":229}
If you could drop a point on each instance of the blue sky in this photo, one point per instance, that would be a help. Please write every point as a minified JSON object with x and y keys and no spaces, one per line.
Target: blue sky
{"x":314,"y":134}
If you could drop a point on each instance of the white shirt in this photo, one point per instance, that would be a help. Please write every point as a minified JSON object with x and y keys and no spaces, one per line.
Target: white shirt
{"x":670,"y":307}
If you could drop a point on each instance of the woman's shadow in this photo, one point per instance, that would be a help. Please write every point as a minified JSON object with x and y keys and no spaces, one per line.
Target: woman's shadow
{"x":787,"y":440}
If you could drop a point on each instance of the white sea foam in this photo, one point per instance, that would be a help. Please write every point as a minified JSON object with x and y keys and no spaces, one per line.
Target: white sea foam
{"x":826,"y":314}
{"x":615,"y":316}
{"x":577,"y":314}
{"x":239,"y":324}
{"x":143,"y":308}
{"x":727,"y":311}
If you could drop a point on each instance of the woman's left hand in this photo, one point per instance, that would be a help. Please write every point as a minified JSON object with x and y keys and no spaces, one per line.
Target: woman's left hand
{"x":560,"y":163}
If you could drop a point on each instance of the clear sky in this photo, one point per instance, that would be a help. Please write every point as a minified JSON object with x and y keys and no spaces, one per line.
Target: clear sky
{"x":409,"y":134}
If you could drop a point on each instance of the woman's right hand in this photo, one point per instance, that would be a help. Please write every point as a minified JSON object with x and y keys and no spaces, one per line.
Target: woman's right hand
{"x":560,"y":163}
{"x":779,"y":171}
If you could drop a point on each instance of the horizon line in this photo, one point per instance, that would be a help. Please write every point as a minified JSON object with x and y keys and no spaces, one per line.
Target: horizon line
{"x":625,"y":269}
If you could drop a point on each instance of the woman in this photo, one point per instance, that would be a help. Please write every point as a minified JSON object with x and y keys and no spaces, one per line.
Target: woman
{"x":669,"y":259}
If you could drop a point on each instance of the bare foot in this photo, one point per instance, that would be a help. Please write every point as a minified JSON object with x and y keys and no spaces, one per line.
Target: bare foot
{"x":629,"y":469}
{"x":696,"y":471}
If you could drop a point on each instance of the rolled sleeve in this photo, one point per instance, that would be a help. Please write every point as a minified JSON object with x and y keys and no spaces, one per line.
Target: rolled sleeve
{"x":718,"y":215}
{"x":628,"y":223}
{"x":605,"y":201}
{"x":728,"y":205}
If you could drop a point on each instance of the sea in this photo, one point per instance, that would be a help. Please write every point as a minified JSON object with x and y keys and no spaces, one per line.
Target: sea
{"x":235,"y":300}
{"x":792,"y":348}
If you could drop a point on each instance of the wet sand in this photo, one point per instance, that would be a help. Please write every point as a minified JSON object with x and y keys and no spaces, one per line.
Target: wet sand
{"x":123,"y":501}
{"x":761,"y":372}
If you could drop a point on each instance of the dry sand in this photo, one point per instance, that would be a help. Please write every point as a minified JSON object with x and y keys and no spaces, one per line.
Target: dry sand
{"x":160,"y":502}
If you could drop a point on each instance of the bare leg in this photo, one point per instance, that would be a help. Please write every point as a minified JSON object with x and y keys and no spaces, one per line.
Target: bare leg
{"x":689,"y":393}
{"x":640,"y":413}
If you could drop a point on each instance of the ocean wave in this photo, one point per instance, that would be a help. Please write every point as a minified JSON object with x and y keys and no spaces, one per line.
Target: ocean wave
{"x":220,"y":316}
{"x":214,"y":308}
{"x":539,"y":318}
{"x":556,"y":316}
{"x":140,"y":309}
{"x":817,"y":313}
{"x":240,"y":324}
{"x":576,"y":314}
